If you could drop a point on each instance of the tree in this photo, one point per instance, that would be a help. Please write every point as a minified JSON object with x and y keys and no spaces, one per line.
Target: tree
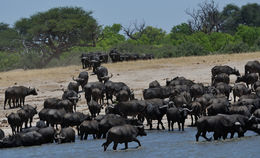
{"x":152,"y":36}
{"x":250,"y":14}
{"x":206,"y":19}
{"x":183,"y":28}
{"x":59,"y":29}
{"x":231,"y":18}
{"x":247,"y":34}
{"x":9,"y":38}
{"x":134,"y":31}
{"x":112,"y":36}
{"x":179,"y":32}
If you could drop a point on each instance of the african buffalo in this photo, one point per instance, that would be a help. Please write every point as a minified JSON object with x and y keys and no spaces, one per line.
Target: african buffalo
{"x":17,"y":95}
{"x":88,"y":127}
{"x":65,"y":135}
{"x":15,"y":122}
{"x":222,"y":77}
{"x":219,"y":124}
{"x":89,"y":88}
{"x":249,"y":79}
{"x":252,"y":67}
{"x":239,"y":90}
{"x":155,"y":110}
{"x":94,"y":108}
{"x":176,"y":115}
{"x":223,"y":69}
{"x":102,"y":74}
{"x":123,"y":134}
{"x":82,"y":79}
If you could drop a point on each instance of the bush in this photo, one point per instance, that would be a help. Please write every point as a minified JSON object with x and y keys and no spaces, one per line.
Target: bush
{"x":9,"y":61}
{"x":237,"y":47}
{"x":190,"y":49}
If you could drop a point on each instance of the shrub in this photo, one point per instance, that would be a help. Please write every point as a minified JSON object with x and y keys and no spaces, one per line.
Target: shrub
{"x":237,"y":47}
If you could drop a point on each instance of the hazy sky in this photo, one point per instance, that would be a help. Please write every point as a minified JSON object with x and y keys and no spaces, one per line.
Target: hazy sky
{"x":164,"y":13}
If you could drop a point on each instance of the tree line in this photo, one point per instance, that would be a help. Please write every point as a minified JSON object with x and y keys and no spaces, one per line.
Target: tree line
{"x":58,"y":36}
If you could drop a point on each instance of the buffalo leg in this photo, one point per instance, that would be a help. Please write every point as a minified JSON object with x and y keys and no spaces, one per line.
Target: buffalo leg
{"x":5,"y":102}
{"x":169,"y":125}
{"x":196,"y":119}
{"x":232,"y":135}
{"x":191,"y":120}
{"x":172,"y":126}
{"x":224,"y":136}
{"x":126,"y":145}
{"x":216,"y":136}
{"x":161,"y":124}
{"x":9,"y":103}
{"x":115,"y":145}
{"x":204,"y":136}
{"x":137,"y":141}
{"x":23,"y":101}
{"x":94,"y":136}
{"x":198,"y":135}
{"x":182,"y":126}
{"x":13,"y":102}
{"x":13,"y":130}
{"x":158,"y":128}
{"x":26,"y":123}
{"x":31,"y":119}
{"x":81,"y":135}
{"x":150,"y":123}
{"x":179,"y":125}
{"x":86,"y":136}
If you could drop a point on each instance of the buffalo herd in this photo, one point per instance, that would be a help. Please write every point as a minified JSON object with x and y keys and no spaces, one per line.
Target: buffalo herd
{"x":95,"y":59}
{"x":212,"y":108}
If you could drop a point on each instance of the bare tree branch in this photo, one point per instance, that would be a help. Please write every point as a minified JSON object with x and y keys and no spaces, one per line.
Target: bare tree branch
{"x":207,"y":18}
{"x":134,"y":30}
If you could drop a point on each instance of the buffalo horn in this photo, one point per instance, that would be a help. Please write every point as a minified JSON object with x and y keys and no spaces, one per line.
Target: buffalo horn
{"x":164,"y":106}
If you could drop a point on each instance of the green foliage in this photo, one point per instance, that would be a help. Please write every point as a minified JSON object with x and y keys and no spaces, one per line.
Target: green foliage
{"x":9,"y":38}
{"x":9,"y":61}
{"x":202,"y":39}
{"x":218,"y":40}
{"x":247,"y":34}
{"x":250,"y":14}
{"x":112,"y":36}
{"x":152,"y":36}
{"x":59,"y":29}
{"x":189,"y":48}
{"x":231,"y":18}
{"x":183,"y":28}
{"x":237,"y":47}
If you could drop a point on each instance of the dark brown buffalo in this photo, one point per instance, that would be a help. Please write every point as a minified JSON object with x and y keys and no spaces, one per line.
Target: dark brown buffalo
{"x":123,"y":134}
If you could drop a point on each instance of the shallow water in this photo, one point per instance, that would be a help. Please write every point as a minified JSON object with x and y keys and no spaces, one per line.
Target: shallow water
{"x":156,"y":144}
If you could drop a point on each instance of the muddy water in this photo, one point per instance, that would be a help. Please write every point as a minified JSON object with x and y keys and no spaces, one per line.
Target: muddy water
{"x":157,"y":144}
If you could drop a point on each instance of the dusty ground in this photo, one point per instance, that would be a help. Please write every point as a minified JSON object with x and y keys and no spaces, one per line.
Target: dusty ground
{"x":137,"y":75}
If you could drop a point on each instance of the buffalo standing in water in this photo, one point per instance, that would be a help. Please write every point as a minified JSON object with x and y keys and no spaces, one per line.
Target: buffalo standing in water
{"x":123,"y":134}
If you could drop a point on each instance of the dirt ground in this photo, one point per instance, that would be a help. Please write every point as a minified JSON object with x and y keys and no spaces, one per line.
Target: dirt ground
{"x":136,"y":74}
